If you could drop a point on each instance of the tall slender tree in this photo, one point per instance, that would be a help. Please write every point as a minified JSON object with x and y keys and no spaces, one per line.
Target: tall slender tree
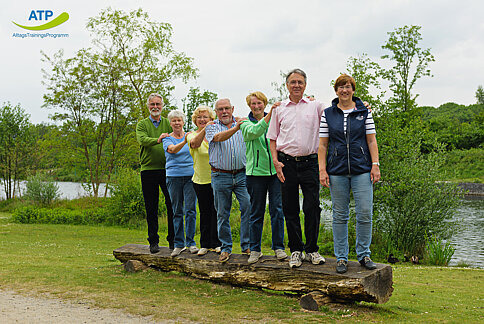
{"x":410,"y":64}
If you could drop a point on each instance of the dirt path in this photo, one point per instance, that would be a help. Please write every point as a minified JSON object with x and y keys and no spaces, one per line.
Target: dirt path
{"x":16,"y":308}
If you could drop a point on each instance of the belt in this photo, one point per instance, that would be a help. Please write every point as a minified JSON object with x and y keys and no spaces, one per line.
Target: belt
{"x":228,"y":171}
{"x":298,"y":158}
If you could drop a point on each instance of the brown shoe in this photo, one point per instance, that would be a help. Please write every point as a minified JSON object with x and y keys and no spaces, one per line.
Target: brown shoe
{"x":224,"y":257}
{"x":247,"y":252}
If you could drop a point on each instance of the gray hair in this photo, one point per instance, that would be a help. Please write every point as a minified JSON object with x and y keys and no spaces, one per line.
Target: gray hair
{"x":176,"y":114}
{"x":297,"y":71}
{"x":216,"y":102}
{"x":151,"y":96}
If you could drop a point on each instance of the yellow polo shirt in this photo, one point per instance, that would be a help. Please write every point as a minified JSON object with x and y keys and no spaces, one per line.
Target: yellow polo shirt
{"x":201,"y":167}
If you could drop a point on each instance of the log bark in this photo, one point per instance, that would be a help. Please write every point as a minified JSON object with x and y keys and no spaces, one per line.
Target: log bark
{"x":134,"y":266}
{"x":358,"y":284}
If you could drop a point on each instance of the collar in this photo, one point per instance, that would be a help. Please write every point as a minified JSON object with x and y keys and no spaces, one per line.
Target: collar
{"x":288,"y":101}
{"x":252,"y":118}
{"x":359,"y":106}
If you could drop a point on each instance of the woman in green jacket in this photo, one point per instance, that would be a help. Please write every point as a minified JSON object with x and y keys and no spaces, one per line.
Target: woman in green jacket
{"x":262,"y":178}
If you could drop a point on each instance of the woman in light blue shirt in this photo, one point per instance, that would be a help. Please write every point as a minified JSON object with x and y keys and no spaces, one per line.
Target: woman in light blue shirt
{"x":179,"y":172}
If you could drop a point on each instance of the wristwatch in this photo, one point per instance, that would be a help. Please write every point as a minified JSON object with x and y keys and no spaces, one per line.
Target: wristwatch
{"x":376,"y":163}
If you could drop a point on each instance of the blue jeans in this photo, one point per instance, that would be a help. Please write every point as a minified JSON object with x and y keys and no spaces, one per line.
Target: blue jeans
{"x":362,"y":188}
{"x":184,"y":202}
{"x":258,"y":186}
{"x":223,"y":185}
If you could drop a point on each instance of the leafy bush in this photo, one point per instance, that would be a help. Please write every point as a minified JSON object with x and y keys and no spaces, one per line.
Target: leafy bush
{"x":35,"y":215}
{"x":409,"y":203}
{"x":127,"y":204}
{"x":438,"y":252}
{"x":41,"y":190}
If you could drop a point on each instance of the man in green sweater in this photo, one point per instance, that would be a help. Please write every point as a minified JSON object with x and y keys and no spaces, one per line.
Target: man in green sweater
{"x":149,"y":133}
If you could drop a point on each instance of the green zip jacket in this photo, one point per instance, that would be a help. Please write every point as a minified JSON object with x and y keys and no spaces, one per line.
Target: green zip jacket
{"x":151,"y":155}
{"x":259,"y":159}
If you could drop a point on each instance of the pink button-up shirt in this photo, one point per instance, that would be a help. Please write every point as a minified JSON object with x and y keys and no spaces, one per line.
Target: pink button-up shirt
{"x":295,"y":126}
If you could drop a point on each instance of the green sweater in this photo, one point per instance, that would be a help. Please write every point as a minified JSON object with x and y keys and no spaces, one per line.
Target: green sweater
{"x":152,"y":155}
{"x":259,"y":159}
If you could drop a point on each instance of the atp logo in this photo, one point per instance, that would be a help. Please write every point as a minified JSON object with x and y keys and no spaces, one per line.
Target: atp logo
{"x":45,"y":15}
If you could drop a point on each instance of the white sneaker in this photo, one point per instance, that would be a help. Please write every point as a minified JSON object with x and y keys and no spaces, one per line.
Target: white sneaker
{"x":280,"y":254}
{"x":296,"y":259}
{"x":193,"y":249}
{"x":202,"y":251}
{"x":254,"y":257}
{"x":315,"y":258}
{"x":177,"y":251}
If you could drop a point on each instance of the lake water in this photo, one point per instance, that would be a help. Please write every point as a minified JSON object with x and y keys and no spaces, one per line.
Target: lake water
{"x":468,"y":239}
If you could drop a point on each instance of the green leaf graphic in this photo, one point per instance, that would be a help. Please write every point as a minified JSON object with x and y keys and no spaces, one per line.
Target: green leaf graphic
{"x":63,"y":17}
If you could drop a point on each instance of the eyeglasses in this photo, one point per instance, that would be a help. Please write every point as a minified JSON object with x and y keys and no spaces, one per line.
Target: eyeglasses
{"x":157,"y":104}
{"x":224,"y":108}
{"x":203,"y":117}
{"x":345,"y":87}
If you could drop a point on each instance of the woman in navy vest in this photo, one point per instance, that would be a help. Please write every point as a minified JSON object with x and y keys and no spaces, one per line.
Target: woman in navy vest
{"x":348,"y":161}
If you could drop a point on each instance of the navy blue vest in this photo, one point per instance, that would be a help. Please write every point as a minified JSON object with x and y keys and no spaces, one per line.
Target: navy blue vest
{"x":347,"y":153}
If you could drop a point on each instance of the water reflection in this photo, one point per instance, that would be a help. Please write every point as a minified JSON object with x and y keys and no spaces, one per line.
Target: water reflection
{"x":67,"y":190}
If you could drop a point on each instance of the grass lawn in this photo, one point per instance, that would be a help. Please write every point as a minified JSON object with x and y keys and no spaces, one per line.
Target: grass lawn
{"x":76,"y":263}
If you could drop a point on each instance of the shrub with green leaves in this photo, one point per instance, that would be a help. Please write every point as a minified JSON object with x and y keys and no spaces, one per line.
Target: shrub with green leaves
{"x":408,"y":202}
{"x":35,"y":215}
{"x":41,"y":190}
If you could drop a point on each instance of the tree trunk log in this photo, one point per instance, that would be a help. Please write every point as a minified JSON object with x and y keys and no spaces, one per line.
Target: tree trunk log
{"x":358,"y":284}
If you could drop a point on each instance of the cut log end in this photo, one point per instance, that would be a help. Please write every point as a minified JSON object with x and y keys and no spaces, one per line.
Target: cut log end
{"x":134,"y":266}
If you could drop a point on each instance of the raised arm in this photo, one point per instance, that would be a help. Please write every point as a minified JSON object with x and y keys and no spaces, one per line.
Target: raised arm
{"x":225,"y":135}
{"x":172,"y":148}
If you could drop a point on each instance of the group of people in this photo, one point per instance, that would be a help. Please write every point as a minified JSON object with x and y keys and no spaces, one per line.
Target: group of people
{"x":296,"y":145}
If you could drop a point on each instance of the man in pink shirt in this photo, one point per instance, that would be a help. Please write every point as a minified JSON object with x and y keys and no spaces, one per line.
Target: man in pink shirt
{"x":293,"y":134}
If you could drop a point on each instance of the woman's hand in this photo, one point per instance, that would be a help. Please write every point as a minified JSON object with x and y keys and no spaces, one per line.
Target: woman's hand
{"x":324,"y":178}
{"x":375,"y":173}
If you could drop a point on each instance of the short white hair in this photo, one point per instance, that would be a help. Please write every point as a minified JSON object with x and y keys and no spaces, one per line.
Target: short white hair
{"x":151,"y":96}
{"x":176,"y":114}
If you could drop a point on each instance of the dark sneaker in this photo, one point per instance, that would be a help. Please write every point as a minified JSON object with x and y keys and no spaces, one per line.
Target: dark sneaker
{"x":154,"y":248}
{"x":341,"y":266}
{"x":367,"y":263}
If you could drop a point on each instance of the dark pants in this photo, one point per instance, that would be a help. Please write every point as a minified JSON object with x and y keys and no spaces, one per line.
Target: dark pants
{"x":258,"y":187}
{"x":208,"y":216}
{"x":306,"y":175}
{"x":151,"y":181}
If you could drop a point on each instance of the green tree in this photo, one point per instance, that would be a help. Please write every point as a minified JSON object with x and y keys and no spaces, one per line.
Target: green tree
{"x":194,"y":99}
{"x":101,"y":91}
{"x":280,"y":89}
{"x":144,"y":53}
{"x":367,"y":75}
{"x":411,"y":64}
{"x":14,"y":147}
{"x":480,"y":95}
{"x":90,"y":91}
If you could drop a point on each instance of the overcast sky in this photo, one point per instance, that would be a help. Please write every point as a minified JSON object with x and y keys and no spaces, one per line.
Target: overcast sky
{"x":240,"y":46}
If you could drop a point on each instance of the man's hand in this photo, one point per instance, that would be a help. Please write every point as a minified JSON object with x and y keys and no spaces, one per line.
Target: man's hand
{"x":279,"y":165}
{"x":324,"y":178}
{"x":367,"y":105}
{"x":162,"y":136}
